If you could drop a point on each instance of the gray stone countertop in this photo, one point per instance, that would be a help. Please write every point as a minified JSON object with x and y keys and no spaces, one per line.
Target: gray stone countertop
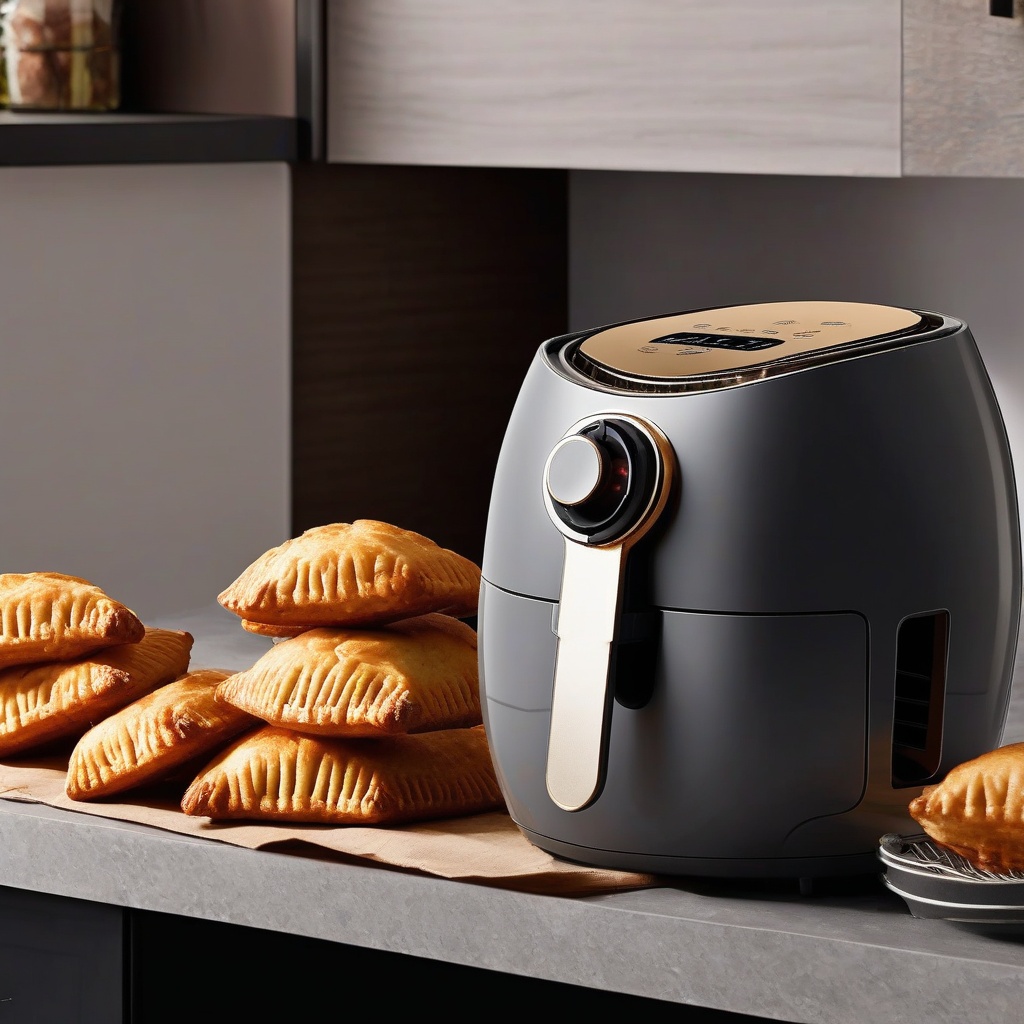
{"x":847,"y":954}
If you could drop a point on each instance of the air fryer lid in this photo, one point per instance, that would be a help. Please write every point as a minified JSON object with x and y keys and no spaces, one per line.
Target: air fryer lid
{"x":739,"y":339}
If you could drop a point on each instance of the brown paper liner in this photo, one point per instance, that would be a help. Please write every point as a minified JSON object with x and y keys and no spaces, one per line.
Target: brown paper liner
{"x":483,"y":848}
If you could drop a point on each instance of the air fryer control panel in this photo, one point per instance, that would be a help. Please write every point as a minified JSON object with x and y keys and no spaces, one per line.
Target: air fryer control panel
{"x":740,"y":342}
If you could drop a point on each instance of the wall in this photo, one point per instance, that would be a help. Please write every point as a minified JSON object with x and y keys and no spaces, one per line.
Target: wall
{"x":144,"y":390}
{"x":420,"y":295}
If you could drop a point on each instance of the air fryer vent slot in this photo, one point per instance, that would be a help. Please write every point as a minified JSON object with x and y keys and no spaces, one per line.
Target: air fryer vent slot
{"x":917,"y":706}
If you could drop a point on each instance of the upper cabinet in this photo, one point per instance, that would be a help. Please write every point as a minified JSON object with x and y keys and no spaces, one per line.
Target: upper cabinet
{"x":750,"y":86}
{"x":842,"y":87}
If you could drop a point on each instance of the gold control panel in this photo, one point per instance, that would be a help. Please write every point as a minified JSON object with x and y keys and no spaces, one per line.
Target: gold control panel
{"x":739,"y":339}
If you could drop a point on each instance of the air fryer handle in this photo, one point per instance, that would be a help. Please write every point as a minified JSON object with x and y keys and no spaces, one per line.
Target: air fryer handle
{"x":589,"y":602}
{"x":606,"y":483}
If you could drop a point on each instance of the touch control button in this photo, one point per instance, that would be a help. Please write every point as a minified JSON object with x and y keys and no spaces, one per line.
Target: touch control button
{"x":575,"y":470}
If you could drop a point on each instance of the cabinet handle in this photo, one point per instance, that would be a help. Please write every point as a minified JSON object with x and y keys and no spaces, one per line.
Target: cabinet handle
{"x":1001,"y":8}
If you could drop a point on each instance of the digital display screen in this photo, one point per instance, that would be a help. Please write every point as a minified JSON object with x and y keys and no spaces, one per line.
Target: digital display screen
{"x":733,"y":342}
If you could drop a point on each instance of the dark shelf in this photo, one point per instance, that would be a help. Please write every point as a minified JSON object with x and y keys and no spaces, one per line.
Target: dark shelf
{"x":41,"y":139}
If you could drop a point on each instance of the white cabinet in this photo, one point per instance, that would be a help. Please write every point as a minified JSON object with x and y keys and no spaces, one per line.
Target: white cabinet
{"x":832,"y":87}
{"x":749,"y":86}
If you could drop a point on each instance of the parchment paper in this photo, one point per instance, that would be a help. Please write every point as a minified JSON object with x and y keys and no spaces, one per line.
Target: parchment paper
{"x":482,"y":848}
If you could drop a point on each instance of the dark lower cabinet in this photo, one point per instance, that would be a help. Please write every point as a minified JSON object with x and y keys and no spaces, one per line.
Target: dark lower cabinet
{"x":65,"y":961}
{"x":62,"y":961}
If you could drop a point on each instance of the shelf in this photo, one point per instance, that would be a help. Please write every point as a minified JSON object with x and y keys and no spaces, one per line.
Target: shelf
{"x":54,"y":139}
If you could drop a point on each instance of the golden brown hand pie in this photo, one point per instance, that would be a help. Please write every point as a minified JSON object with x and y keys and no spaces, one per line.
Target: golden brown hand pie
{"x":411,"y":676}
{"x":978,"y":810}
{"x":46,"y":616}
{"x":353,"y":574}
{"x":146,"y":740}
{"x":40,"y":703}
{"x":279,"y":775}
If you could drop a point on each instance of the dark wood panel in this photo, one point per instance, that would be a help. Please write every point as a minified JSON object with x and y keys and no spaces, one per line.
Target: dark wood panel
{"x":210,"y":56}
{"x":420,"y":296}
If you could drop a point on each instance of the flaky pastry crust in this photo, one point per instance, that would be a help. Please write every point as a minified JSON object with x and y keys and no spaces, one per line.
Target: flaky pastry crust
{"x":416,"y":675}
{"x":978,"y":810}
{"x":41,"y":703}
{"x":48,"y":616}
{"x":362,"y":573}
{"x":275,"y":774}
{"x":147,"y":739}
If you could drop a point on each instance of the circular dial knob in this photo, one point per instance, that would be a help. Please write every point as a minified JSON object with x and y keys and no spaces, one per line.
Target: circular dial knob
{"x":599,"y":478}
{"x":576,"y":469}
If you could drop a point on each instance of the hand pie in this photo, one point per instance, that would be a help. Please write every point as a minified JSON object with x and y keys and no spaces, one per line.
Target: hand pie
{"x":978,"y":810}
{"x":416,"y":675}
{"x":276,"y":774}
{"x":46,"y":616}
{"x":40,"y":703}
{"x":353,"y":574}
{"x":147,"y":739}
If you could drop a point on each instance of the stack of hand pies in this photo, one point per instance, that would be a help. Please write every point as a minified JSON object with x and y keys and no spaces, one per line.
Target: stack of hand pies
{"x":369,"y":698}
{"x":70,"y":656}
{"x":365,"y":711}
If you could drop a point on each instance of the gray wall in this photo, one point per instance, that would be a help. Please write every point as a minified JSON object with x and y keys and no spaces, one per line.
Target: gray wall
{"x":644,"y":243}
{"x":144,"y":389}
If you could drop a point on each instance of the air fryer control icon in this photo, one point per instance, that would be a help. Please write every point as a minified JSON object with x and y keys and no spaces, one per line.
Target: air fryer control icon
{"x":605,"y":484}
{"x":601,"y":477}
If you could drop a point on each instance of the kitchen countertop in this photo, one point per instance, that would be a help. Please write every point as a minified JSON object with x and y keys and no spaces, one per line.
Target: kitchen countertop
{"x":842,"y":955}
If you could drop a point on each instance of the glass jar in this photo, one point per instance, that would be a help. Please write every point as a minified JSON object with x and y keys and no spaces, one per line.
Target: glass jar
{"x":61,"y":54}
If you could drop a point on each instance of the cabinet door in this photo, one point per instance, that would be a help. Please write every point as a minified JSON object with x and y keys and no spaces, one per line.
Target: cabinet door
{"x":963,"y":98}
{"x":787,"y":86}
{"x":61,"y":960}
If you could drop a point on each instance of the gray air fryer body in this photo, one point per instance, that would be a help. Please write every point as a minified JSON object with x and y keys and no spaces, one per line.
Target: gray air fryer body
{"x":751,"y":579}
